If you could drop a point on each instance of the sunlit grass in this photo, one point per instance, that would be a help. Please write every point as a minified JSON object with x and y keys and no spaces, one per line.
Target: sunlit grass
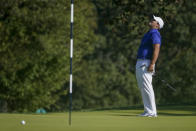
{"x":180,"y":118}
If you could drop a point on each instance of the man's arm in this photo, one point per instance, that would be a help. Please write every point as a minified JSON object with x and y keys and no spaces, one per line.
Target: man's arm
{"x":154,"y":57}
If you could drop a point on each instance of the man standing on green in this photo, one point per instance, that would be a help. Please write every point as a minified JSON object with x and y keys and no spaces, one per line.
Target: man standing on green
{"x":147,"y":56}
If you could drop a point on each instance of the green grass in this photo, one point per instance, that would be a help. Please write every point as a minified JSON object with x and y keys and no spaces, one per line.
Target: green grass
{"x":174,"y":118}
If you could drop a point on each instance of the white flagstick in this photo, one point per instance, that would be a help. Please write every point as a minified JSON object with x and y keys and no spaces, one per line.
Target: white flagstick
{"x":71,"y":56}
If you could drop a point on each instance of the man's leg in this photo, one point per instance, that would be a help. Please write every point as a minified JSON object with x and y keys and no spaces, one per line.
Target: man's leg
{"x":144,"y":80}
{"x":139,"y":78}
{"x":148,"y":94}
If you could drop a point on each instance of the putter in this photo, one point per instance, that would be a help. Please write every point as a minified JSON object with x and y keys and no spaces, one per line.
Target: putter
{"x":166,"y":83}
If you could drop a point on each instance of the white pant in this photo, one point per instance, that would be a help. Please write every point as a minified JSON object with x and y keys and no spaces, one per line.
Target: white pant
{"x":144,"y":80}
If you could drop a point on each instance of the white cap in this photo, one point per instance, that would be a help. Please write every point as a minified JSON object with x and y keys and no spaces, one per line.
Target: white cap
{"x":159,"y":20}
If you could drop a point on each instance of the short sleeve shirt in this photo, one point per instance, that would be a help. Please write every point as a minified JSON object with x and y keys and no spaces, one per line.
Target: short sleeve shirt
{"x":145,"y":50}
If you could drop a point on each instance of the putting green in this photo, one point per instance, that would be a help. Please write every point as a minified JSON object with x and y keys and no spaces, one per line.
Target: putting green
{"x":178,"y":118}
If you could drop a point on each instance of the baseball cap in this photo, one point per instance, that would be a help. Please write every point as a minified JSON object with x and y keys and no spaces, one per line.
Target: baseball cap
{"x":159,"y":20}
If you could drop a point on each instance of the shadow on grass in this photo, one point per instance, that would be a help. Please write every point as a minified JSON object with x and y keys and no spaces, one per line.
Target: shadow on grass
{"x":160,"y":114}
{"x":177,"y":110}
{"x":163,"y":110}
{"x":119,"y":108}
{"x":124,"y":115}
{"x":176,"y":114}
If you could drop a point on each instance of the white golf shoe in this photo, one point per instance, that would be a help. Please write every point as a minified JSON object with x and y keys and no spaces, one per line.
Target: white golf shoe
{"x":152,"y":115}
{"x":147,"y":115}
{"x":144,"y":114}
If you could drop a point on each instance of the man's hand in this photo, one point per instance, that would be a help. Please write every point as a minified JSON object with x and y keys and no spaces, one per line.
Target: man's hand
{"x":154,"y":57}
{"x":151,"y":68}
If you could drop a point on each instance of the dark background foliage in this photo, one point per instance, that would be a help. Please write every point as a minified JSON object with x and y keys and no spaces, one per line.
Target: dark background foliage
{"x":34,"y":53}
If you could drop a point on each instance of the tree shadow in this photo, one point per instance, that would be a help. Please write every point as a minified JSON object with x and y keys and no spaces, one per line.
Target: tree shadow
{"x":176,"y":114}
{"x":169,"y":110}
{"x":181,"y":110}
{"x":159,"y":114}
{"x":123,"y":115}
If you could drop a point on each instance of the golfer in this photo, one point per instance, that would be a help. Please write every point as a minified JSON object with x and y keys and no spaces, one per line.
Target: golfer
{"x":145,"y":67}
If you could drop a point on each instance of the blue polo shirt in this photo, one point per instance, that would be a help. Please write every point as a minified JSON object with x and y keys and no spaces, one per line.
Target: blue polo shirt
{"x":145,"y":50}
